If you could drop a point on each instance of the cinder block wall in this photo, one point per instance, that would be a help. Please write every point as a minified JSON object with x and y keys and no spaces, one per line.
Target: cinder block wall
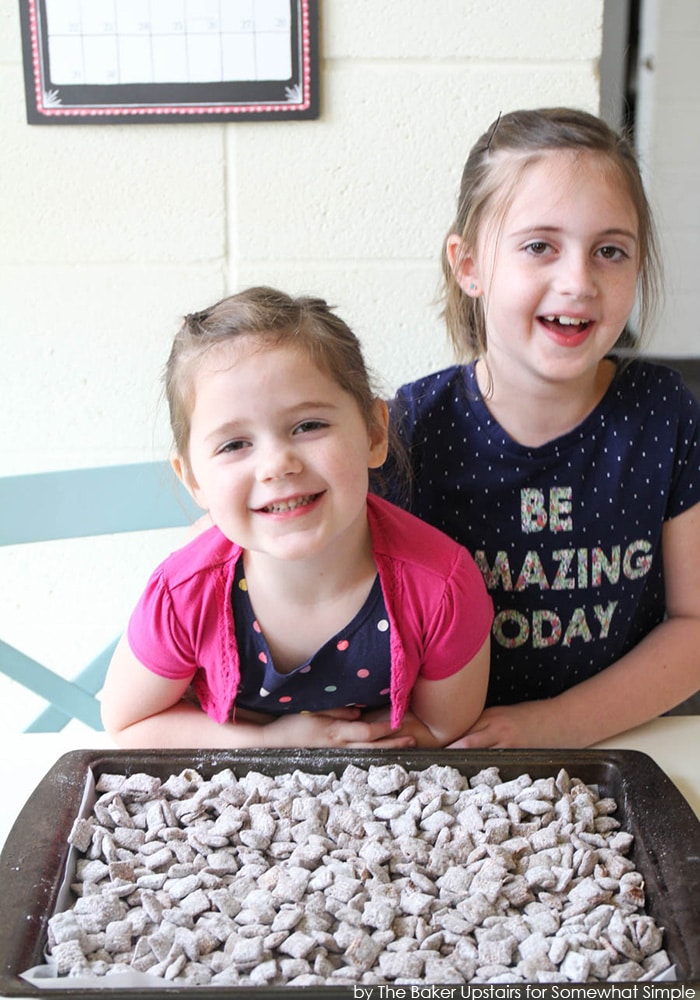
{"x":108,"y":234}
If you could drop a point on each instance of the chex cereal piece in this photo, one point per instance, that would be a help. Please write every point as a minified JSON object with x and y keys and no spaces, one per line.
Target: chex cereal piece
{"x":69,"y":958}
{"x":81,"y":833}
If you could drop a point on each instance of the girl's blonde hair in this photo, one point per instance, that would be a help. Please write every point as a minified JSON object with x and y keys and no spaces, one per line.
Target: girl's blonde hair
{"x":495,"y":162}
{"x":275,"y":319}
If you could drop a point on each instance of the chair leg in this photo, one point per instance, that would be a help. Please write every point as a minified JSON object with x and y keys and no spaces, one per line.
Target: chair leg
{"x":91,"y":679}
{"x":73,"y":700}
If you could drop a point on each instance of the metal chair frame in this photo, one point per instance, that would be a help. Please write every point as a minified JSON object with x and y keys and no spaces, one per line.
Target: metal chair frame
{"x":79,"y":503}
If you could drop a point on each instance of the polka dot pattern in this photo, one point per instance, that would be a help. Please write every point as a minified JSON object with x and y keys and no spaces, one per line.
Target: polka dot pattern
{"x":567,"y":535}
{"x":337,"y":674}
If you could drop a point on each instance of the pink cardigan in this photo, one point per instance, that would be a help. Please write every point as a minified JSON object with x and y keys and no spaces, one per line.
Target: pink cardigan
{"x":439,"y":611}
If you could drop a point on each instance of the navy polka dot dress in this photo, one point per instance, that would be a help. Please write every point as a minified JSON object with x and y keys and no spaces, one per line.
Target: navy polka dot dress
{"x":352,"y":668}
{"x":567,"y":535}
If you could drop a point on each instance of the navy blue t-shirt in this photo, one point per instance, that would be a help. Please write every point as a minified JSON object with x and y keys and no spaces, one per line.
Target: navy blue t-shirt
{"x":567,"y":535}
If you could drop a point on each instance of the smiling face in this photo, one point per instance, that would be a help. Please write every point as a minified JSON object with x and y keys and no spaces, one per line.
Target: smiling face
{"x":279,"y":453}
{"x":558,"y":272}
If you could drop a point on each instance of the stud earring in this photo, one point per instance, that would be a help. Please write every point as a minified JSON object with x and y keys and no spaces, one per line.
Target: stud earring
{"x":472,"y":287}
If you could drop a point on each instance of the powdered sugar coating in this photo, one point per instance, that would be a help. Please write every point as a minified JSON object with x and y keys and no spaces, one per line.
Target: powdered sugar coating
{"x":377,"y":875}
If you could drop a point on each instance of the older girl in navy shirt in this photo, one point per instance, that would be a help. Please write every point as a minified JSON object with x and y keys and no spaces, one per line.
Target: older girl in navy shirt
{"x":570,"y":473}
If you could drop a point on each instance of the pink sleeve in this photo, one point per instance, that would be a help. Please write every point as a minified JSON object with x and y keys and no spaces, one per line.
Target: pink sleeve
{"x":461,"y":623}
{"x":156,"y":635}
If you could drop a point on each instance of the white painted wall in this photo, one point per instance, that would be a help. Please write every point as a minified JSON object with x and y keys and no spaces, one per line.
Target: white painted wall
{"x":108,"y":234}
{"x":668,"y":133}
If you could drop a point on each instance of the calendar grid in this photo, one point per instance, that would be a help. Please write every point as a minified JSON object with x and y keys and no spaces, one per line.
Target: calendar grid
{"x":126,"y":41}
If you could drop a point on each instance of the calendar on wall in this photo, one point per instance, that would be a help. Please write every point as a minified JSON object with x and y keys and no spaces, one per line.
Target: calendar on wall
{"x":126,"y":61}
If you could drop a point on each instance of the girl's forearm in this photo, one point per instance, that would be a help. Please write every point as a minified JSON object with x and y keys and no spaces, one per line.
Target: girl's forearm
{"x":444,"y":709}
{"x":186,"y":725}
{"x":660,"y":672}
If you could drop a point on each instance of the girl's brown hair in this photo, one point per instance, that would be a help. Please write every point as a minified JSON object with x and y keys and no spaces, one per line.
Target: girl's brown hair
{"x":496,"y":161}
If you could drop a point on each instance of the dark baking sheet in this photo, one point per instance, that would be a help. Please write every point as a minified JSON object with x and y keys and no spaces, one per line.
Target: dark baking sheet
{"x":666,"y":848}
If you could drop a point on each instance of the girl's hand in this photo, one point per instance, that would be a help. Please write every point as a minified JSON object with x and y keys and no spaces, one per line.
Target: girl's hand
{"x":340,"y":727}
{"x":411,"y":728}
{"x":528,"y":724}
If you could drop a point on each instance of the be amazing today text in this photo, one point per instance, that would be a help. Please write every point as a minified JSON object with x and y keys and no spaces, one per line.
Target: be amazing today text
{"x":567,"y":569}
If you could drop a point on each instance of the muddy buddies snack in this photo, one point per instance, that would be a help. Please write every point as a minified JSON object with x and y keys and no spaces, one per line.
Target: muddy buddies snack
{"x":381,"y":874}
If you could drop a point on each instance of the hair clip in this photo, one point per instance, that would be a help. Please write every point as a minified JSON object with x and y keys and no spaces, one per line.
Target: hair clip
{"x":492,"y":133}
